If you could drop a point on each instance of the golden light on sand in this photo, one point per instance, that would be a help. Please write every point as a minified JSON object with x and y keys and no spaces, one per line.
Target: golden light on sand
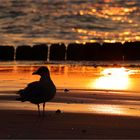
{"x":113,"y":78}
{"x":107,"y":109}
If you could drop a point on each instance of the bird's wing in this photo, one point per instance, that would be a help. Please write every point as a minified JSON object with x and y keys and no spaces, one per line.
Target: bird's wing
{"x":37,"y":92}
{"x":34,"y":88}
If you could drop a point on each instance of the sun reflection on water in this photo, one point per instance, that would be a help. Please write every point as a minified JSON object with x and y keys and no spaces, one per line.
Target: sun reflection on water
{"x":113,"y":78}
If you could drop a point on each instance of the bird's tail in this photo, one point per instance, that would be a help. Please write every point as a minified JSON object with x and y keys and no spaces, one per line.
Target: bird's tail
{"x":20,"y":99}
{"x":20,"y":91}
{"x":22,"y":95}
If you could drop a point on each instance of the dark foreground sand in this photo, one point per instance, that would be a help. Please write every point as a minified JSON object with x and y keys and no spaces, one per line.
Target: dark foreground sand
{"x":26,"y":124}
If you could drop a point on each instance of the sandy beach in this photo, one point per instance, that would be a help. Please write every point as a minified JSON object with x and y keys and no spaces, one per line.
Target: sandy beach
{"x":91,"y":51}
{"x":85,"y":112}
{"x":79,"y":118}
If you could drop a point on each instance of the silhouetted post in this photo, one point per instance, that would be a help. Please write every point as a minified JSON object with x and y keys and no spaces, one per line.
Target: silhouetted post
{"x":57,"y":52}
{"x":92,"y":51}
{"x":75,"y":52}
{"x":131,"y":50}
{"x":24,"y":53}
{"x":6,"y":53}
{"x":40,"y":52}
{"x":111,"y":51}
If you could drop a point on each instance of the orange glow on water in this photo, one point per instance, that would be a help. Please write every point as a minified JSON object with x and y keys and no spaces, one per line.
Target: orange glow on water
{"x":111,"y":83}
{"x":116,"y":72}
{"x":72,"y":77}
{"x":113,"y":78}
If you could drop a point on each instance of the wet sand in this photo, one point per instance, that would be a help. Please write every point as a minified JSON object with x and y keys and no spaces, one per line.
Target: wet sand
{"x":85,"y":113}
{"x":93,"y":118}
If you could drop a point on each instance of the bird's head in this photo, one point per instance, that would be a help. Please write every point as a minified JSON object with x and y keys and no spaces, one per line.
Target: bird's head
{"x":42,"y":71}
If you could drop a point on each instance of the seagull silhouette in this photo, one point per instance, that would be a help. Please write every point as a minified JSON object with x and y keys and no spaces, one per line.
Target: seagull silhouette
{"x":40,"y":91}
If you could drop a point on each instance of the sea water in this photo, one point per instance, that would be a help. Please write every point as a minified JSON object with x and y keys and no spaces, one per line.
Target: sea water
{"x":74,"y":75}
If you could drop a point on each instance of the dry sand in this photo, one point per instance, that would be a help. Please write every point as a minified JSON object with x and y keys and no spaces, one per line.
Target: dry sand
{"x":20,"y":120}
{"x":26,"y":124}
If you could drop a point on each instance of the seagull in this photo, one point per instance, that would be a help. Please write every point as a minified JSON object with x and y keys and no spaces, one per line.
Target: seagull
{"x":40,"y":91}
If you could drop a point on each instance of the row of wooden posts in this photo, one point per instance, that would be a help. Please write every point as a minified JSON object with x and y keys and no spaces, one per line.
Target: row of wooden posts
{"x":73,"y":51}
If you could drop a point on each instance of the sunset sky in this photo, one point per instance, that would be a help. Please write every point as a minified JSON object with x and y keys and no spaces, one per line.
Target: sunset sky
{"x":65,"y":21}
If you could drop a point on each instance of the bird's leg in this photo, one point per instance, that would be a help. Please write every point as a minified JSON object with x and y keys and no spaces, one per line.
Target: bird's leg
{"x":43,"y":109}
{"x":38,"y":110}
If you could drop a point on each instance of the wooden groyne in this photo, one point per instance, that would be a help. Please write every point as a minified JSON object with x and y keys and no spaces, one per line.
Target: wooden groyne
{"x":73,"y":51}
{"x":57,"y":52}
{"x":6,"y":53}
{"x":37,"y":52}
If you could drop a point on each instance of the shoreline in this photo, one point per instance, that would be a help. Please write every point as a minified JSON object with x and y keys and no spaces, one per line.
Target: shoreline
{"x":93,"y":63}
